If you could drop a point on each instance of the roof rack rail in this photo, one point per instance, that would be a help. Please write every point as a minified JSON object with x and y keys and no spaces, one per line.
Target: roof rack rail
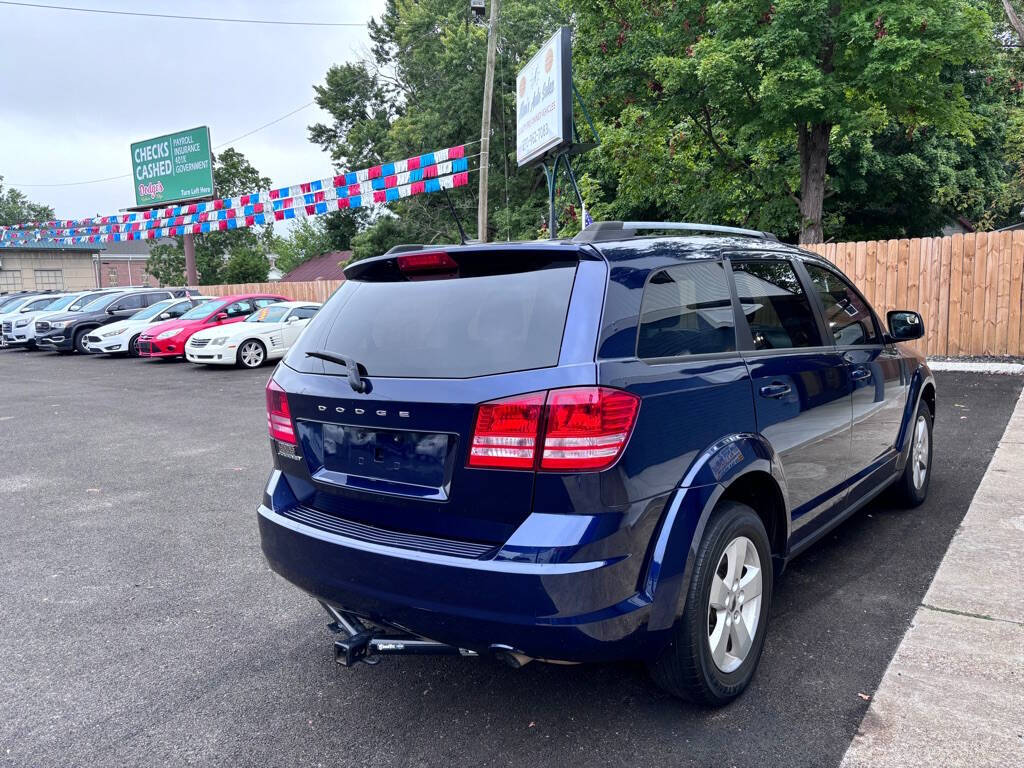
{"x":601,"y":231}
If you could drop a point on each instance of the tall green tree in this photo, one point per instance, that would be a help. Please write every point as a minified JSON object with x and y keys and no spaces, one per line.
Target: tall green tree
{"x":421,"y":90}
{"x":740,"y":104}
{"x":221,"y":256}
{"x":16,"y":208}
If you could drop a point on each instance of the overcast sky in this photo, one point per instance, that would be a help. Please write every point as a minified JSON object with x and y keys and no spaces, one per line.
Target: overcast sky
{"x":77,"y":89}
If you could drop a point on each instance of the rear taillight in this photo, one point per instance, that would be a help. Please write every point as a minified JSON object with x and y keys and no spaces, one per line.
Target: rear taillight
{"x":279,"y":415}
{"x":562,"y":430}
{"x":587,"y":427}
{"x":505,"y":433}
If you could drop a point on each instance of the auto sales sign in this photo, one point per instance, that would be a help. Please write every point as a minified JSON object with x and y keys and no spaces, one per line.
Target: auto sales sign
{"x":544,"y":100}
{"x":173,"y":168}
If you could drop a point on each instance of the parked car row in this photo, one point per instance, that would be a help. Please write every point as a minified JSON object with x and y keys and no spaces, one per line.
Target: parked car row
{"x":155,"y":322}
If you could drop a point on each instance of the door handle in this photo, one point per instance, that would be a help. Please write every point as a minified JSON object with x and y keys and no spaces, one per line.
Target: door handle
{"x":860,"y":374}
{"x":775,"y":391}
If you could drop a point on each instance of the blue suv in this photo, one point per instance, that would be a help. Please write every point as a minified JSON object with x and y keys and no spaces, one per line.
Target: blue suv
{"x":585,"y":450}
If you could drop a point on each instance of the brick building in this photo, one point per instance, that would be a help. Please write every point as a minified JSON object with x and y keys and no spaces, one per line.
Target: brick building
{"x":124,"y":264}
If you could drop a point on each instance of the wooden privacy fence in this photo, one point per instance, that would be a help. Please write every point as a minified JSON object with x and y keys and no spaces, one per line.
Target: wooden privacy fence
{"x":966,"y":287}
{"x":316,"y":290}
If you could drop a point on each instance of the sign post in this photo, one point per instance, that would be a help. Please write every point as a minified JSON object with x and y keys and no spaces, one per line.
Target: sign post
{"x":175,"y":168}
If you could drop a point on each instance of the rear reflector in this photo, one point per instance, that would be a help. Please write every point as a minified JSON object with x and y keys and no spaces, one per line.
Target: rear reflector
{"x":279,"y":415}
{"x":505,"y":433}
{"x":582,"y":429}
{"x":427,"y":261}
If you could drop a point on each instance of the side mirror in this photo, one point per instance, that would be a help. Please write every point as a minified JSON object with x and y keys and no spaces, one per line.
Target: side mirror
{"x":904,"y":325}
{"x":164,"y":316}
{"x":220,"y":317}
{"x":112,"y":310}
{"x":292,"y":319}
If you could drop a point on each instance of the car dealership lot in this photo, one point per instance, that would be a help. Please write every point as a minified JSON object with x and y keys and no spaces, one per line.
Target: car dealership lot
{"x":142,"y":627}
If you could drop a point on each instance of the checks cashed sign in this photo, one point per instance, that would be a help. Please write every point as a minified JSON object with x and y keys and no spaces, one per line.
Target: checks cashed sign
{"x":173,"y":168}
{"x":544,"y":100}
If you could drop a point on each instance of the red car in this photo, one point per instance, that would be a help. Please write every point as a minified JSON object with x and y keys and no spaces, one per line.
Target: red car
{"x":168,"y":339}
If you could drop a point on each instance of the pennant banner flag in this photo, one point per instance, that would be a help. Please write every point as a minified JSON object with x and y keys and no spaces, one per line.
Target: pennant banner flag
{"x":424,"y":174}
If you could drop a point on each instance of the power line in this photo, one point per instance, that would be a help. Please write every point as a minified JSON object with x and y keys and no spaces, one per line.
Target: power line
{"x":128,"y":175}
{"x":296,"y":111}
{"x":108,"y":12}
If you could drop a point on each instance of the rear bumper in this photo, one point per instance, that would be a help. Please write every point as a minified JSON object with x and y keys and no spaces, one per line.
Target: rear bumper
{"x":561,"y":611}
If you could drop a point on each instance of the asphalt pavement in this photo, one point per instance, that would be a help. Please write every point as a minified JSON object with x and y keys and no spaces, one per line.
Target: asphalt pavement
{"x":139,"y":624}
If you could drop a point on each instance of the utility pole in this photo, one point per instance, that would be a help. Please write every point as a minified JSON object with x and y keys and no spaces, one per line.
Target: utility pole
{"x":485,"y":122}
{"x":191,"y":278}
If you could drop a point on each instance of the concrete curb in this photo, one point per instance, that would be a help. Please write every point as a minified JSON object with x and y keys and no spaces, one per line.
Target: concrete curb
{"x":953,"y":695}
{"x":1014,"y":369}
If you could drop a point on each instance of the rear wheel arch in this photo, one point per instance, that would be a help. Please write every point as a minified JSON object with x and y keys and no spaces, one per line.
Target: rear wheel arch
{"x":756,"y":476}
{"x":760,"y":491}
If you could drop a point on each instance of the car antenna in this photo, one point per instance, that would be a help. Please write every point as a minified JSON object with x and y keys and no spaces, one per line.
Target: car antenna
{"x":455,"y":215}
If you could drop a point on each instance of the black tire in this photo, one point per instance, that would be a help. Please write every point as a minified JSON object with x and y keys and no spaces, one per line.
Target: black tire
{"x":80,"y":342}
{"x":906,"y":491}
{"x":133,"y":345}
{"x":686,"y":668}
{"x":262,"y":356}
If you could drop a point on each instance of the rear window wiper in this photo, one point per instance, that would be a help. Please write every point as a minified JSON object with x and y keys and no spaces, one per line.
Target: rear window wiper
{"x":355,"y":380}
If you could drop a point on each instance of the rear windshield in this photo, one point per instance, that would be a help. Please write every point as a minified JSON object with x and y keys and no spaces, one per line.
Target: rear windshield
{"x":452,"y":329}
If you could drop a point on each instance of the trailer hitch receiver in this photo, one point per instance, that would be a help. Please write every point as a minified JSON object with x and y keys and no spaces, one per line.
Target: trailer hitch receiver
{"x":367,"y":644}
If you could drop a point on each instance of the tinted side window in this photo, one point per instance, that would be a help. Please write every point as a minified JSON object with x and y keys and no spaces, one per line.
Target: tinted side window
{"x":239,"y":308}
{"x":847,"y":315}
{"x":132,"y":301}
{"x":261,"y":303}
{"x":775,"y":305}
{"x":304,"y":313}
{"x":687,"y":310}
{"x":153,"y":298}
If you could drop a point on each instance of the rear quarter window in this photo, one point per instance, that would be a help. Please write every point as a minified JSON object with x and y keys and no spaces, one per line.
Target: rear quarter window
{"x":687,"y":310}
{"x":450,"y":328}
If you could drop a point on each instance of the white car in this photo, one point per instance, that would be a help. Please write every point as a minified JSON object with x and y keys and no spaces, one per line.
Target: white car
{"x":265,"y":335}
{"x":18,"y":317}
{"x":122,"y":337}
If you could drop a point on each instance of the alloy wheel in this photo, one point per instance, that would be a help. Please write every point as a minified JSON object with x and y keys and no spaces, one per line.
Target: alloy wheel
{"x":251,"y":354}
{"x":734,"y":605}
{"x":920,"y":452}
